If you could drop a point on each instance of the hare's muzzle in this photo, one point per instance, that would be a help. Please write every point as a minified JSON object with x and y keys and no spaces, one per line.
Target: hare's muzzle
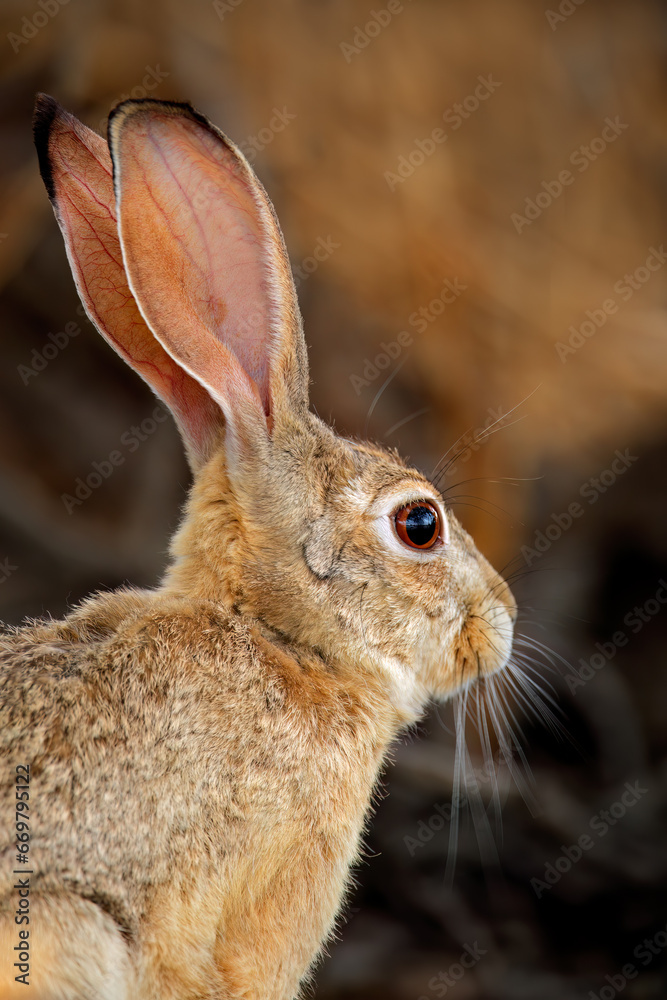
{"x":488,"y":631}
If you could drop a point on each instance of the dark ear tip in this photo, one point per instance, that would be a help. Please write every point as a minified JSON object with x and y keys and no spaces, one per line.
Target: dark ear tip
{"x":134,"y":105}
{"x":46,"y":110}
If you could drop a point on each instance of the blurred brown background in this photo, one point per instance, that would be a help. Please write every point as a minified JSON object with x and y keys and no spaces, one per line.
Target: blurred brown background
{"x":500,"y":167}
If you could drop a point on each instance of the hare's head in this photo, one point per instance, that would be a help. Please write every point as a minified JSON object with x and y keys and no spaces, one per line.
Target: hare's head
{"x":333,"y":544}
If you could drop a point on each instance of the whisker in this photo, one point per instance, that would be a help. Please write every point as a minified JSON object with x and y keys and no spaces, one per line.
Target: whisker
{"x":536,"y":659}
{"x":464,"y":773}
{"x":557,"y":616}
{"x":459,"y":722}
{"x":520,"y":674}
{"x":483,"y":832}
{"x":475,"y":507}
{"x":406,"y":420}
{"x":509,"y":745}
{"x":548,"y":652}
{"x":486,"y":433}
{"x":471,"y":496}
{"x":535,"y":703}
{"x":380,"y":391}
{"x":483,"y":730}
{"x":528,"y":642}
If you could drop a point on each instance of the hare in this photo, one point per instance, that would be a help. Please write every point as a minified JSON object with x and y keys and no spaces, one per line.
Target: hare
{"x":201,"y":757}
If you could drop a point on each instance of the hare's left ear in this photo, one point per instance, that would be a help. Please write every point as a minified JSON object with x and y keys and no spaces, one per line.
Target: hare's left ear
{"x":76,"y":168}
{"x":206,"y":262}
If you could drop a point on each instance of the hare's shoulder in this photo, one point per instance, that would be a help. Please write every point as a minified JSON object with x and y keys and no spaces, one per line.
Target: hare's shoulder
{"x":140,"y":673}
{"x":116,"y":658}
{"x":119,"y":639}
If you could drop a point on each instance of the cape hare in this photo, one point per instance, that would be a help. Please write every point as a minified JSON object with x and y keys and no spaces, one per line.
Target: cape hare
{"x":201,"y":757}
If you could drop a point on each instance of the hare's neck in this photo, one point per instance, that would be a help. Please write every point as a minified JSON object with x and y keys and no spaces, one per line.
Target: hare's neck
{"x":194,"y":574}
{"x":206,"y":551}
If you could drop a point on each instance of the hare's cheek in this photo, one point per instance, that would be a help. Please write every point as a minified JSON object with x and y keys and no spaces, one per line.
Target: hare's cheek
{"x":437,"y":669}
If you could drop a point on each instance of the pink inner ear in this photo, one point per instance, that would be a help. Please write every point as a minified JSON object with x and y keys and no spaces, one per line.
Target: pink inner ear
{"x":85,"y":206}
{"x":195,"y":241}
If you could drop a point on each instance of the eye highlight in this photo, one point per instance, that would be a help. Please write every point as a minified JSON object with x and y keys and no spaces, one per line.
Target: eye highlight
{"x":418,"y":524}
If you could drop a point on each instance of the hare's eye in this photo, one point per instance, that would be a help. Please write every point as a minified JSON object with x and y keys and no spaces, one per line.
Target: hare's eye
{"x":418,"y":524}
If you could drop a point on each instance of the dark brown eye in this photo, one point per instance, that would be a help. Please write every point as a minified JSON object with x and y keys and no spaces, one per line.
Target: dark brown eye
{"x":418,"y":524}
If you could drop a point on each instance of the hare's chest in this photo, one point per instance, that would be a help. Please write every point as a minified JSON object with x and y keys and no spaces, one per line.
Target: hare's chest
{"x":257,"y":892}
{"x":261,"y":918}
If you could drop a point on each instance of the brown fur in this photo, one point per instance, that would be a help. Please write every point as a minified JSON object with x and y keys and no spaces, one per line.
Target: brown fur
{"x":203,"y":755}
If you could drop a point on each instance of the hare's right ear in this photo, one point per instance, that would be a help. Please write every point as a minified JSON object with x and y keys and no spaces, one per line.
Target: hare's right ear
{"x":206,"y":263}
{"x":76,"y":168}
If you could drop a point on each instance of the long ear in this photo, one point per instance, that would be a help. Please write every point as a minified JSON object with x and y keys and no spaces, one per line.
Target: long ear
{"x":206,"y":261}
{"x":76,"y":169}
